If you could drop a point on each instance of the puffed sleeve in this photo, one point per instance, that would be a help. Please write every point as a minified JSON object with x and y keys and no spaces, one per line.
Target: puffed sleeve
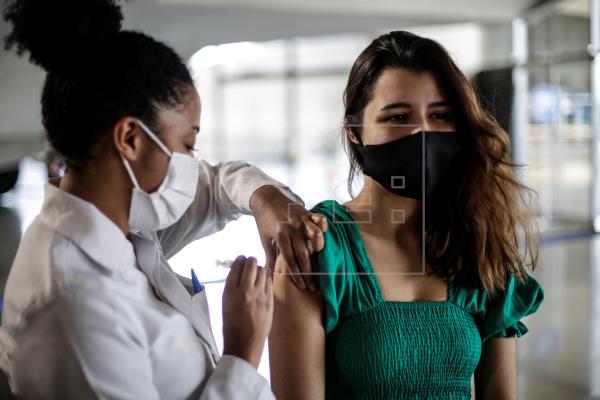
{"x":500,"y":315}
{"x":223,"y":195}
{"x":332,"y":262}
{"x":344,"y":292}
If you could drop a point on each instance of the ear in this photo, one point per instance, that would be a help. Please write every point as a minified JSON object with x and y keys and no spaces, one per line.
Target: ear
{"x":352,"y":130}
{"x":353,"y":134}
{"x":127,"y":139}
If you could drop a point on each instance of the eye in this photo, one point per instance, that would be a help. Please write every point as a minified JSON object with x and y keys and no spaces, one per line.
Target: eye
{"x":441,"y":115}
{"x":397,"y":118}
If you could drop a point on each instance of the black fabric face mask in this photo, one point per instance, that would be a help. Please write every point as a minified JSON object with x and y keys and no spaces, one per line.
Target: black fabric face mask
{"x":398,"y":165}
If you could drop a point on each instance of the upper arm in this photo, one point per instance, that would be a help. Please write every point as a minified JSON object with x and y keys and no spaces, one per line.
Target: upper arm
{"x":496,"y":375}
{"x":297,"y":340}
{"x":209,"y":212}
{"x":223,"y":194}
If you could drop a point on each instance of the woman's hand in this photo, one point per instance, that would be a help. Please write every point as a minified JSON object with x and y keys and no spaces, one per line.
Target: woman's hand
{"x":288,"y":226}
{"x":247,"y":310}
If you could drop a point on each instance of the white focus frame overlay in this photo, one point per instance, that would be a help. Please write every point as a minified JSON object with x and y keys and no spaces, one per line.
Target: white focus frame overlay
{"x":414,"y":128}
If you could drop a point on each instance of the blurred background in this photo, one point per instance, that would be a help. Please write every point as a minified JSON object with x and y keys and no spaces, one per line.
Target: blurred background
{"x":271,"y":75}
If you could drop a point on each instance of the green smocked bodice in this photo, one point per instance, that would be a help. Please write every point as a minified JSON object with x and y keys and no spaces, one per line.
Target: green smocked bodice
{"x":378,"y":349}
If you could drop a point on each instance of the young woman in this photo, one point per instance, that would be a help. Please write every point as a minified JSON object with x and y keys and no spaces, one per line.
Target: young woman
{"x":91,"y":306}
{"x":422,"y":282}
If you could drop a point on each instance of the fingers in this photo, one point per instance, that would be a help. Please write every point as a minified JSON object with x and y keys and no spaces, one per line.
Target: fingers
{"x":297,"y":240}
{"x":285,"y":246}
{"x":270,"y":249}
{"x":248,"y":274}
{"x":317,"y":244}
{"x":261,"y":278}
{"x":247,"y":310}
{"x":300,"y":247}
{"x":233,"y":279}
{"x":312,"y":230}
{"x":320,"y":220}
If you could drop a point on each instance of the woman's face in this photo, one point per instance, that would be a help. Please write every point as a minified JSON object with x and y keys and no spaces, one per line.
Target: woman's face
{"x":179,"y":127}
{"x":404,"y":97}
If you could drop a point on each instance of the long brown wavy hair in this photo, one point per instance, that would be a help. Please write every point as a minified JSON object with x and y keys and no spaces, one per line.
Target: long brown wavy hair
{"x":475,"y":230}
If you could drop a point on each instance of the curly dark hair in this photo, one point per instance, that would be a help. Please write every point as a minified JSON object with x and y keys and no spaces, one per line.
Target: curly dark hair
{"x":476,"y":222}
{"x":96,"y":72}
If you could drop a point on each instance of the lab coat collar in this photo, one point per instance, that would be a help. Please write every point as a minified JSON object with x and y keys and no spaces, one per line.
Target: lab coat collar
{"x":92,"y":231}
{"x":98,"y":237}
{"x":170,"y":290}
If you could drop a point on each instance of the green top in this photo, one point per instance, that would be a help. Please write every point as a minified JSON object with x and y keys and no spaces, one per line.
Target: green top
{"x":378,"y":349}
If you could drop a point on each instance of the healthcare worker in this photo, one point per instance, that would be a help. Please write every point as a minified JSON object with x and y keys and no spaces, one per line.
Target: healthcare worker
{"x":92,"y":308}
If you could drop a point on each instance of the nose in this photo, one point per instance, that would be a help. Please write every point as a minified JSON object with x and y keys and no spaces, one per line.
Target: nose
{"x":420,"y":122}
{"x":421,"y":127}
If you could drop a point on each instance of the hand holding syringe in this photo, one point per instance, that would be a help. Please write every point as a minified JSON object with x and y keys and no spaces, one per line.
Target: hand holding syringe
{"x":247,"y":310}
{"x":228,"y":263}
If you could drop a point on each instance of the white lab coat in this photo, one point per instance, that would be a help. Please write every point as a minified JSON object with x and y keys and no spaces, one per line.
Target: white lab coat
{"x":90,"y":313}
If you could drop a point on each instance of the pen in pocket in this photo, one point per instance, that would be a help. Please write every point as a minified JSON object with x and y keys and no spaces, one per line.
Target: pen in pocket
{"x":198,"y":287}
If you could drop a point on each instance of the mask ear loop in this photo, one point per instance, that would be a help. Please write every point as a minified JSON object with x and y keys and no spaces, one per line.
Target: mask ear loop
{"x":130,"y":173}
{"x":154,"y":138}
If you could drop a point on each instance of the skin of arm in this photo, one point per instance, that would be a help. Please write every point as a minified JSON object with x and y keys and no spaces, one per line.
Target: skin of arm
{"x":296,"y":341}
{"x":495,"y":376}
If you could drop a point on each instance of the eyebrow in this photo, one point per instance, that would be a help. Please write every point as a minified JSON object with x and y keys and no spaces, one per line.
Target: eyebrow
{"x":408,"y":105}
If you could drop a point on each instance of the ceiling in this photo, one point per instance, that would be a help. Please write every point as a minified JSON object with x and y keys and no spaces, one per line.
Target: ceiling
{"x":191,"y":24}
{"x":435,"y":9}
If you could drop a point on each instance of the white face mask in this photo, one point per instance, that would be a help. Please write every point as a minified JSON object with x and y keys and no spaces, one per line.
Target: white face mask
{"x":162,"y":208}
